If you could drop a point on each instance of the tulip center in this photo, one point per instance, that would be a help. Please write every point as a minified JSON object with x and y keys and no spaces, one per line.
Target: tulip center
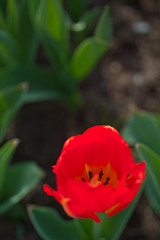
{"x":95,"y":178}
{"x":105,"y":175}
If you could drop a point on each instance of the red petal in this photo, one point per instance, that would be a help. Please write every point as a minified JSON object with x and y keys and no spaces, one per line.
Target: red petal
{"x":70,"y":165}
{"x":103,"y":144}
{"x":80,"y":211}
{"x":52,"y":192}
{"x":117,"y":150}
{"x":73,"y":209}
{"x":54,"y":169}
{"x":96,"y":146}
{"x":127,"y":190}
{"x":94,"y":198}
{"x":96,"y":154}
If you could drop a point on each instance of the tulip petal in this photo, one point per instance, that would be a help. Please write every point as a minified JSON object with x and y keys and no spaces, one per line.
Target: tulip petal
{"x":70,"y":165}
{"x":96,"y":154}
{"x":80,"y":211}
{"x":117,"y":150}
{"x":73,"y":209}
{"x":127,"y":190}
{"x":52,"y":192}
{"x":94,"y":198}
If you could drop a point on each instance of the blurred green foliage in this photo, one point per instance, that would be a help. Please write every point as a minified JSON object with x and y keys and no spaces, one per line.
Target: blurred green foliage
{"x":143,"y":129}
{"x":11,"y":99}
{"x":15,"y":181}
{"x":73,"y":39}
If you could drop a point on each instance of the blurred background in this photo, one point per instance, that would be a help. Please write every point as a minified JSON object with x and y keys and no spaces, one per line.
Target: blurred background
{"x":126,"y":77}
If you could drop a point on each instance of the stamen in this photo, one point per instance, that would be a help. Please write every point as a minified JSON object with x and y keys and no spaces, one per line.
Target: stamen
{"x":107,"y":181}
{"x":83,"y":179}
{"x":90,"y":175}
{"x":100,"y":174}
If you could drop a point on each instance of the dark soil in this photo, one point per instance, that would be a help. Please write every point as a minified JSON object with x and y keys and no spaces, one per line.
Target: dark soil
{"x":128,"y":76}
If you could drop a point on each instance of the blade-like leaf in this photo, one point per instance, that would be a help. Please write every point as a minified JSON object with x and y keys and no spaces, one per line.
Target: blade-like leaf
{"x":33,"y":6}
{"x":153,"y":177}
{"x":143,"y":128}
{"x":50,"y":18}
{"x":29,"y":38}
{"x":152,"y":159}
{"x":104,"y":29}
{"x":90,"y":17}
{"x":20,"y":180}
{"x":55,"y":51}
{"x":2,"y":21}
{"x":86,"y":57}
{"x":152,"y":192}
{"x":17,"y":212}
{"x":76,"y":8}
{"x":50,"y":225}
{"x":86,"y":24}
{"x":43,"y":83}
{"x":12,"y":16}
{"x":51,"y":26}
{"x":6,"y":153}
{"x":86,"y":226}
{"x":11,"y":100}
{"x":9,"y":52}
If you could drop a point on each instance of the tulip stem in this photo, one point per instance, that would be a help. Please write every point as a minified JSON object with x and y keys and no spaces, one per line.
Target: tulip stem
{"x":98,"y":227}
{"x":85,"y":226}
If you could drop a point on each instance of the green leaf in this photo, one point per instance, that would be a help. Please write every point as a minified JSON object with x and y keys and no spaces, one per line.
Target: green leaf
{"x":51,"y":26}
{"x":55,"y":51}
{"x":152,"y":192}
{"x":50,"y":226}
{"x":2,"y":21}
{"x":153,"y":177}
{"x":86,"y":56}
{"x":11,"y":100}
{"x":86,"y":24}
{"x":90,"y":17}
{"x":104,"y":29}
{"x":152,"y":159}
{"x":86,"y":226}
{"x":43,"y":83}
{"x":17,"y":212}
{"x":9,"y":52}
{"x":143,"y":128}
{"x":29,"y":38}
{"x":33,"y":6}
{"x":76,"y":8}
{"x":50,"y":17}
{"x":21,"y":179}
{"x":12,"y":16}
{"x":6,"y":152}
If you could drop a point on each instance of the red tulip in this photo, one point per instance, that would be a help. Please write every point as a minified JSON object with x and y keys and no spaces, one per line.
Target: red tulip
{"x":96,"y":173}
